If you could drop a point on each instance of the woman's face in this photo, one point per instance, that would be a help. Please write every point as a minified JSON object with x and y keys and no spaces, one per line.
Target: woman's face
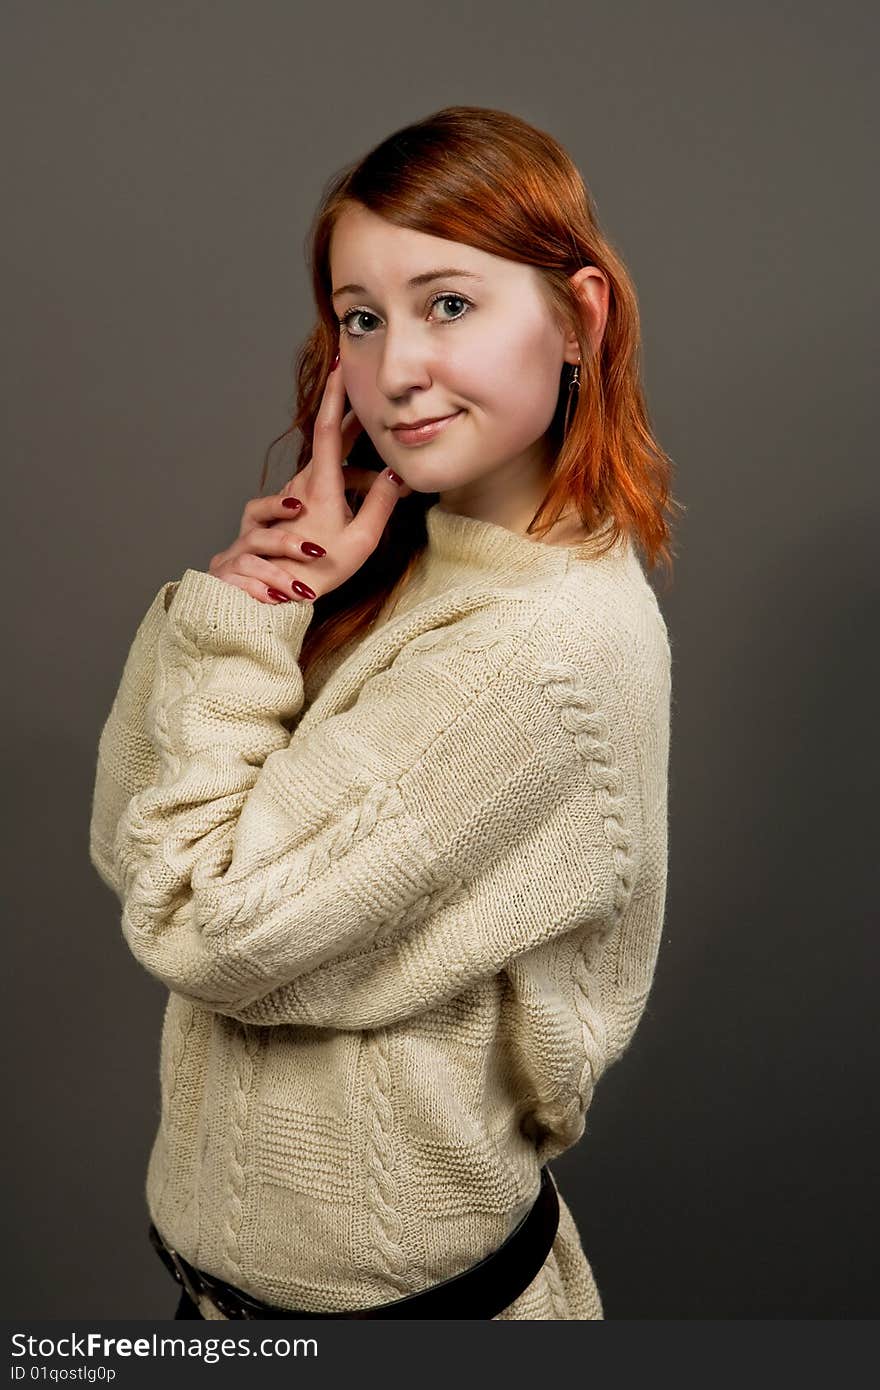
{"x":483,"y":346}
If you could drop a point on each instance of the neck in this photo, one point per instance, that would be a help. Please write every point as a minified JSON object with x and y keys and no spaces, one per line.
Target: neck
{"x":509,"y":496}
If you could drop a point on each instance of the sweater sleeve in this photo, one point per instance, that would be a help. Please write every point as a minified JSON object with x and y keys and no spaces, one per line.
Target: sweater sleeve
{"x":127,"y":759}
{"x":374,"y":863}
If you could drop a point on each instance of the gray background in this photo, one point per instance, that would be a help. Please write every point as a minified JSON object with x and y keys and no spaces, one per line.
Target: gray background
{"x":162,"y":164}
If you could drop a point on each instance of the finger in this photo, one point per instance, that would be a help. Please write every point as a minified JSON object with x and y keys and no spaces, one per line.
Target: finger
{"x":256,"y":590}
{"x":351,"y":428}
{"x":294,"y":484}
{"x":326,"y":461}
{"x":268,"y":511}
{"x":376,"y":508}
{"x":264,"y":511}
{"x":263,"y":575}
{"x":275,"y":541}
{"x":360,"y":479}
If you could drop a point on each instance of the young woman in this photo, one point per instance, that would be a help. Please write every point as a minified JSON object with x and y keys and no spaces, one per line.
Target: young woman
{"x":383,"y":792}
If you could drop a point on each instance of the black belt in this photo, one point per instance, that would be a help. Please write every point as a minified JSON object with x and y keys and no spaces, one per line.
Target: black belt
{"x":482,"y":1291}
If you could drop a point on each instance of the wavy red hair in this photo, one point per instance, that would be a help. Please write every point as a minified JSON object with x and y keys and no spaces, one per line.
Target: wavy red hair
{"x":493,"y":181}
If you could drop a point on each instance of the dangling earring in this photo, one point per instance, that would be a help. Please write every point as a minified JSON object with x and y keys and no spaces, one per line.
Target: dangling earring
{"x":573,"y":385}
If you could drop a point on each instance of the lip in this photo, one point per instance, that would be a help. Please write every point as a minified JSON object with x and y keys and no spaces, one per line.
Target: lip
{"x":415,"y":434}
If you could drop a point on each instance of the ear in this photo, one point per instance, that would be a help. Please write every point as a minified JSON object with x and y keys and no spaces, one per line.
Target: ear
{"x":592,"y":289}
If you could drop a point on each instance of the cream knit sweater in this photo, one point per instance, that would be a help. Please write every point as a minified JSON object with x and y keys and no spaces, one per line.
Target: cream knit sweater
{"x":407,"y":912}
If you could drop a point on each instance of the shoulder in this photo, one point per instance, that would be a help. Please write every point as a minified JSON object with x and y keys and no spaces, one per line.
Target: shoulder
{"x":578,"y":612}
{"x":604,"y":611}
{"x":583,"y":641}
{"x":602,"y":662}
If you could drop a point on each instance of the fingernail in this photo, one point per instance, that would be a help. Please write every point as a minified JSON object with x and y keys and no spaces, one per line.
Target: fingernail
{"x":335,"y":363}
{"x":302,"y":589}
{"x":394,"y":478}
{"x":291,"y":502}
{"x":276,"y":594}
{"x":309,"y":548}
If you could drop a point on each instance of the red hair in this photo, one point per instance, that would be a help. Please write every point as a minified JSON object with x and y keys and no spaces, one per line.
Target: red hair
{"x":490,"y":180}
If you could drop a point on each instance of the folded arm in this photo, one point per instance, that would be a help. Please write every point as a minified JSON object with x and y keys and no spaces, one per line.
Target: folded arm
{"x":381,"y":861}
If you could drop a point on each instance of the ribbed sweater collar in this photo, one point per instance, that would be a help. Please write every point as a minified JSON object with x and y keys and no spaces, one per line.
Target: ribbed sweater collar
{"x":472,"y":544}
{"x":478,"y":557}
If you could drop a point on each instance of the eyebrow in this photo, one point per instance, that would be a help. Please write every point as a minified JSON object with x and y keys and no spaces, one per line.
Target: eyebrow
{"x":424,"y":279}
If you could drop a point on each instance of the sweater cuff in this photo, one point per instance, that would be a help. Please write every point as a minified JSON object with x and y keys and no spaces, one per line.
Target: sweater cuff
{"x":221,"y":614}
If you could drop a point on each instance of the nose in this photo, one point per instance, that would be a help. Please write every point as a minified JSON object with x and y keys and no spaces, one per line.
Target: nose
{"x":404,"y":362}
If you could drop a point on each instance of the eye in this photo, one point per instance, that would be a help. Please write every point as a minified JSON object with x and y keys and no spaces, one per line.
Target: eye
{"x":348,"y":319}
{"x":456,"y":298}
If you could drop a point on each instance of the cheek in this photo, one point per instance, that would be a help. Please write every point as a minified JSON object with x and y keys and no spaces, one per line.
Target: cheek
{"x":354,"y":379}
{"x":515,"y":379}
{"x":360,"y":388}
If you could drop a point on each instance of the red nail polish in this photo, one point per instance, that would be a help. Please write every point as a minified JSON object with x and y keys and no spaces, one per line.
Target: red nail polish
{"x":335,"y":363}
{"x":302,"y":589}
{"x":394,"y":477}
{"x":291,"y":502}
{"x":309,"y":548}
{"x":276,"y":594}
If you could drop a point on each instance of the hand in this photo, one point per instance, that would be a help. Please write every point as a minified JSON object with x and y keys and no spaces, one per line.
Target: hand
{"x":268,"y":561}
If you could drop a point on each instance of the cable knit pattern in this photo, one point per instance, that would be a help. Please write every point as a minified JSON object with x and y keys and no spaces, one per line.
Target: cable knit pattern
{"x":555,"y":1288}
{"x":172,"y":1064}
{"x":580,"y":715}
{"x":413,"y":914}
{"x":245,"y":1054}
{"x":386,"y":1223}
